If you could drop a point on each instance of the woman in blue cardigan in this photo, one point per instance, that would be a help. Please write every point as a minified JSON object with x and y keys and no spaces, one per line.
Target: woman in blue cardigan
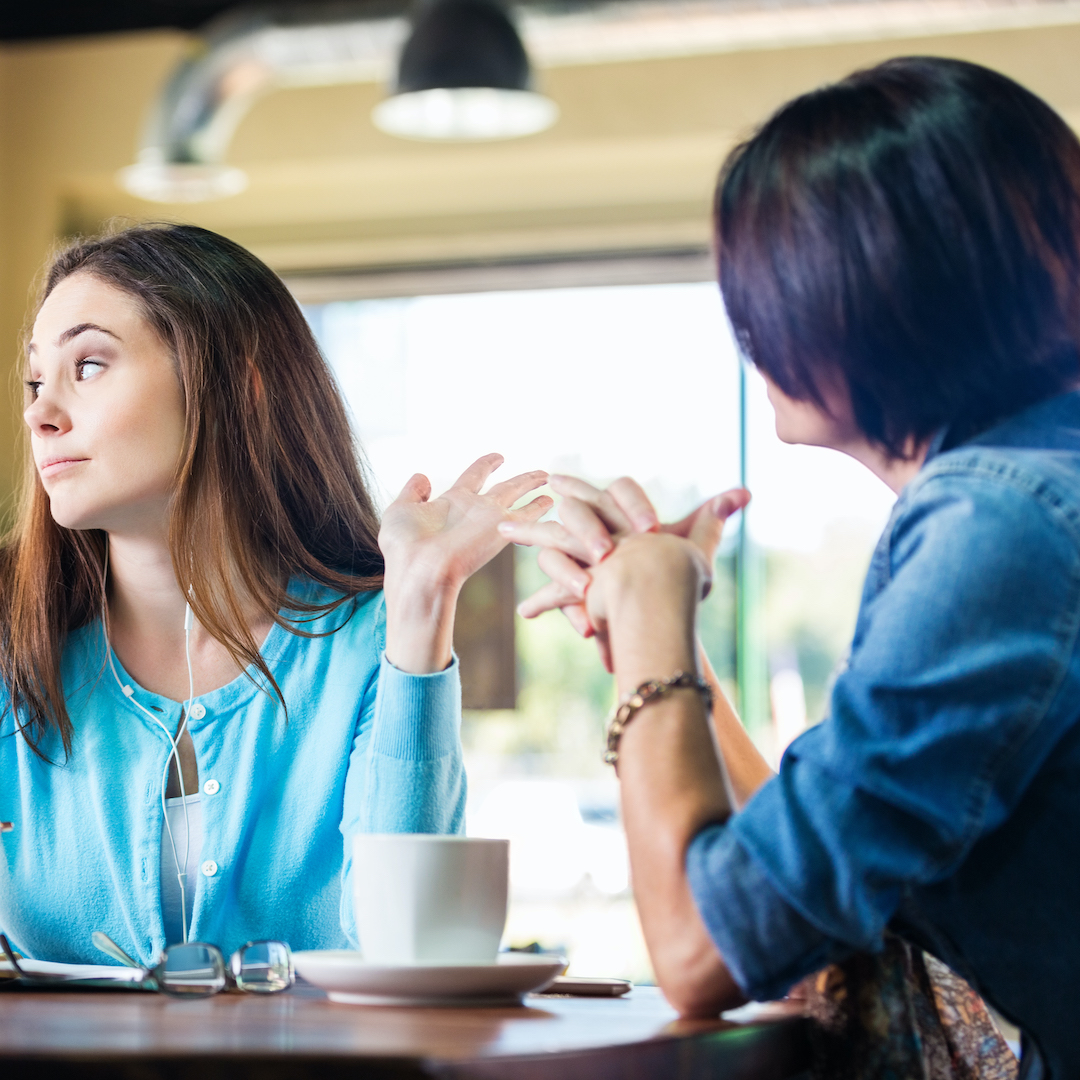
{"x":899,"y":256}
{"x":198,"y":575}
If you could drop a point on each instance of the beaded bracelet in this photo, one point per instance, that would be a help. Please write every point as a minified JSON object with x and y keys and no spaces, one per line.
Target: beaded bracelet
{"x":646,"y":692}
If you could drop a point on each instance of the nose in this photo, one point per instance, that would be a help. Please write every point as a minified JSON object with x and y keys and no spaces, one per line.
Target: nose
{"x":44,"y":415}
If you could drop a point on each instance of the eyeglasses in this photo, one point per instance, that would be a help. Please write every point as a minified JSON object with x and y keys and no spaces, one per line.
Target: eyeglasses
{"x":191,"y":970}
{"x":199,"y":970}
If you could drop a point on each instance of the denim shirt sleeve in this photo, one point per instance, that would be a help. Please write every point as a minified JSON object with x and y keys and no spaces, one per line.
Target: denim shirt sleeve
{"x":940,"y":721}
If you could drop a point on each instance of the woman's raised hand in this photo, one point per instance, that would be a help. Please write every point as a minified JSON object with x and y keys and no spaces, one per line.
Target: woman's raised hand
{"x":587,"y":556}
{"x":447,"y":539}
{"x":432,"y":546}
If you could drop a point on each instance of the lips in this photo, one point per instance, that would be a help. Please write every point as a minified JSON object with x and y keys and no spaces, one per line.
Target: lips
{"x":56,"y":466}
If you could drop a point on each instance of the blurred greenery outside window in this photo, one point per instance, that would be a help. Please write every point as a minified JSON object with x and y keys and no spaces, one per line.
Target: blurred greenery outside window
{"x":602,"y":381}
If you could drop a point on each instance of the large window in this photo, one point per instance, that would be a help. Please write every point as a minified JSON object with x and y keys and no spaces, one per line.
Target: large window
{"x":601,"y":381}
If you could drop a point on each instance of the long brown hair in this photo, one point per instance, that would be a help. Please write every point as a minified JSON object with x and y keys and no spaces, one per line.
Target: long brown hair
{"x":269,"y":484}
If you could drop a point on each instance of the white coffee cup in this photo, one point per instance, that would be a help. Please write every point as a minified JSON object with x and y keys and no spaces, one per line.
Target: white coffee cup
{"x":421,"y":898}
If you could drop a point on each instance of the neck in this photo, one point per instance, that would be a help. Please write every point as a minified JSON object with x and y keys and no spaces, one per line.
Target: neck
{"x":896,"y":473}
{"x":147,"y":606}
{"x":144,"y":595}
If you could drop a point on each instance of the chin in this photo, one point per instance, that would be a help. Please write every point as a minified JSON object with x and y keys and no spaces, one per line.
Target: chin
{"x":78,"y":517}
{"x":785,"y":434}
{"x":74,"y":522}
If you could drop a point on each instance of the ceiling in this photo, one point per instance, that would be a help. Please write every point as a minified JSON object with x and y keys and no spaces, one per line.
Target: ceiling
{"x":77,"y":18}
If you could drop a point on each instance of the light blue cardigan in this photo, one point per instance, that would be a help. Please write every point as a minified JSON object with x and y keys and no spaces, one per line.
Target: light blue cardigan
{"x":366,"y":748}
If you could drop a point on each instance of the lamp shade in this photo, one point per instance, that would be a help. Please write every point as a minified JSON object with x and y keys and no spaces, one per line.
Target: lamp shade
{"x":463,"y":74}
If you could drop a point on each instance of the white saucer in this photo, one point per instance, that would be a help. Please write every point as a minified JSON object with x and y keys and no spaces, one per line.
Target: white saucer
{"x":346,"y":977}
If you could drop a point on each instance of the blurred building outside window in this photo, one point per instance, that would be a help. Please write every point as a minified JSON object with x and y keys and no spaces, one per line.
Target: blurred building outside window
{"x":603,"y":381}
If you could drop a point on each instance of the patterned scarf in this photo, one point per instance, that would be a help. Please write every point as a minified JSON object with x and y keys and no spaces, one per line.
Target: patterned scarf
{"x":901,"y":1015}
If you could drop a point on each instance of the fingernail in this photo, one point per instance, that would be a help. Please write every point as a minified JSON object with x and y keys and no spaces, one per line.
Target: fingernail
{"x":581,"y":586}
{"x":601,"y":548}
{"x":646,"y":522}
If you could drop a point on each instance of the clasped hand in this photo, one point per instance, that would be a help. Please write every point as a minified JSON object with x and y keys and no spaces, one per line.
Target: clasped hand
{"x":610,"y":547}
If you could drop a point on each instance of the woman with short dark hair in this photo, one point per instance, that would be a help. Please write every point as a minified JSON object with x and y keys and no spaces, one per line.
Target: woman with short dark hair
{"x":899,"y":255}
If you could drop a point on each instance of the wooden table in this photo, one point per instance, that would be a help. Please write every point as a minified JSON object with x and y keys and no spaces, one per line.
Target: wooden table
{"x":300,"y":1035}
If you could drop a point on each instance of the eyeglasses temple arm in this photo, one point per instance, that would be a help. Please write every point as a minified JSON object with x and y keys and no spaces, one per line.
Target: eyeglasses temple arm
{"x":105,"y":944}
{"x":10,"y":954}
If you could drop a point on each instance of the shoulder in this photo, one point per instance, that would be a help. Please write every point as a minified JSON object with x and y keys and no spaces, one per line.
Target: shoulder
{"x":335,"y":618}
{"x":983,"y":545}
{"x":979,"y":508}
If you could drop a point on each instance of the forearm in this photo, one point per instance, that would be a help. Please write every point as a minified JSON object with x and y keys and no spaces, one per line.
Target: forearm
{"x":672,"y":786}
{"x":406,"y":772}
{"x":744,"y":767}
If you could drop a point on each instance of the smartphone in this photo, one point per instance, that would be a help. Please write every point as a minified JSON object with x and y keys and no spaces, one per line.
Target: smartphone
{"x":577,"y":986}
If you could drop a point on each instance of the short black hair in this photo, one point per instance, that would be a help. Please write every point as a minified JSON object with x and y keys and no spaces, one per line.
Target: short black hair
{"x":915,"y":230}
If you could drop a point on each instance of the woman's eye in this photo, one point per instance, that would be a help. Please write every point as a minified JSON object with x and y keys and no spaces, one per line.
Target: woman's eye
{"x":33,"y":387}
{"x":88,"y":368}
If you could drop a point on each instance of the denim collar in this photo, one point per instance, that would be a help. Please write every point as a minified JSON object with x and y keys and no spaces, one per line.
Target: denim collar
{"x":1053,"y":423}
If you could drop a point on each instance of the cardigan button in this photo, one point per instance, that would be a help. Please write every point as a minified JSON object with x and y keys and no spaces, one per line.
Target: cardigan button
{"x":197,"y":711}
{"x":209,"y":868}
{"x":211,"y":787}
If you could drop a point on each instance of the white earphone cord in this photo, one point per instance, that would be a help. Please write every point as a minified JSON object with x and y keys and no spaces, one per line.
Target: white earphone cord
{"x":174,"y":751}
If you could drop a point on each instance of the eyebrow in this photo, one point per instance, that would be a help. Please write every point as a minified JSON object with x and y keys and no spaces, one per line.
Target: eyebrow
{"x":74,"y":331}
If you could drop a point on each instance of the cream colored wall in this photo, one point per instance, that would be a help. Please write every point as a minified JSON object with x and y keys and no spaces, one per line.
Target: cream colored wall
{"x":629,"y":166}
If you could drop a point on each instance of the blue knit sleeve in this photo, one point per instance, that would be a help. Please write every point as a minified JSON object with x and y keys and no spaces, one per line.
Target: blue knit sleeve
{"x":407,"y":773}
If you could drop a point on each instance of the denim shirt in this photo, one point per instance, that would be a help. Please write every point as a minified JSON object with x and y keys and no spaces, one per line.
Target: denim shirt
{"x":941,"y":795}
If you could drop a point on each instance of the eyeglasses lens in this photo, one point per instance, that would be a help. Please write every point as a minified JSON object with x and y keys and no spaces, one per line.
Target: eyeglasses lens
{"x":263,"y":967}
{"x":191,"y":971}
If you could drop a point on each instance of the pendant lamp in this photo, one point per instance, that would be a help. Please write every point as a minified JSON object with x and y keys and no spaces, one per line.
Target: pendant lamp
{"x":463,"y":75}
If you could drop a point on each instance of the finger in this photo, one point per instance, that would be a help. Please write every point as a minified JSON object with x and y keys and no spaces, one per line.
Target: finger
{"x":719,"y":506}
{"x":566,"y":571}
{"x":601,"y":502}
{"x":507,"y":492}
{"x":552,"y":595}
{"x":475,"y":476}
{"x":533,"y":510}
{"x":603,"y":645}
{"x":545,"y":534}
{"x":578,"y":618}
{"x":731,"y":501}
{"x":417,"y":489}
{"x":635,"y":504}
{"x":708,"y":526}
{"x":582,"y":521}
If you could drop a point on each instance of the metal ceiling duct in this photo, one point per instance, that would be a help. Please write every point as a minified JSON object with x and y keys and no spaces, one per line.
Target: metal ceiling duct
{"x":237,"y":60}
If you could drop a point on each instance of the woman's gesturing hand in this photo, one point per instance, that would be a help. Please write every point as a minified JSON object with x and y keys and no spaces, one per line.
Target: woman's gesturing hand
{"x":595,"y":525}
{"x":432,"y":546}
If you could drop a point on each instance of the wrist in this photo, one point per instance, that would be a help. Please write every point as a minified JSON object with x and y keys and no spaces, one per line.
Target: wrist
{"x":651,"y":638}
{"x":650,"y":608}
{"x":650,"y":569}
{"x":419,"y":623}
{"x":417,"y":582}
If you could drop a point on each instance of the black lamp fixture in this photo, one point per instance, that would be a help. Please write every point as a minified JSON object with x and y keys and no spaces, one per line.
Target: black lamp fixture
{"x":463,"y":75}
